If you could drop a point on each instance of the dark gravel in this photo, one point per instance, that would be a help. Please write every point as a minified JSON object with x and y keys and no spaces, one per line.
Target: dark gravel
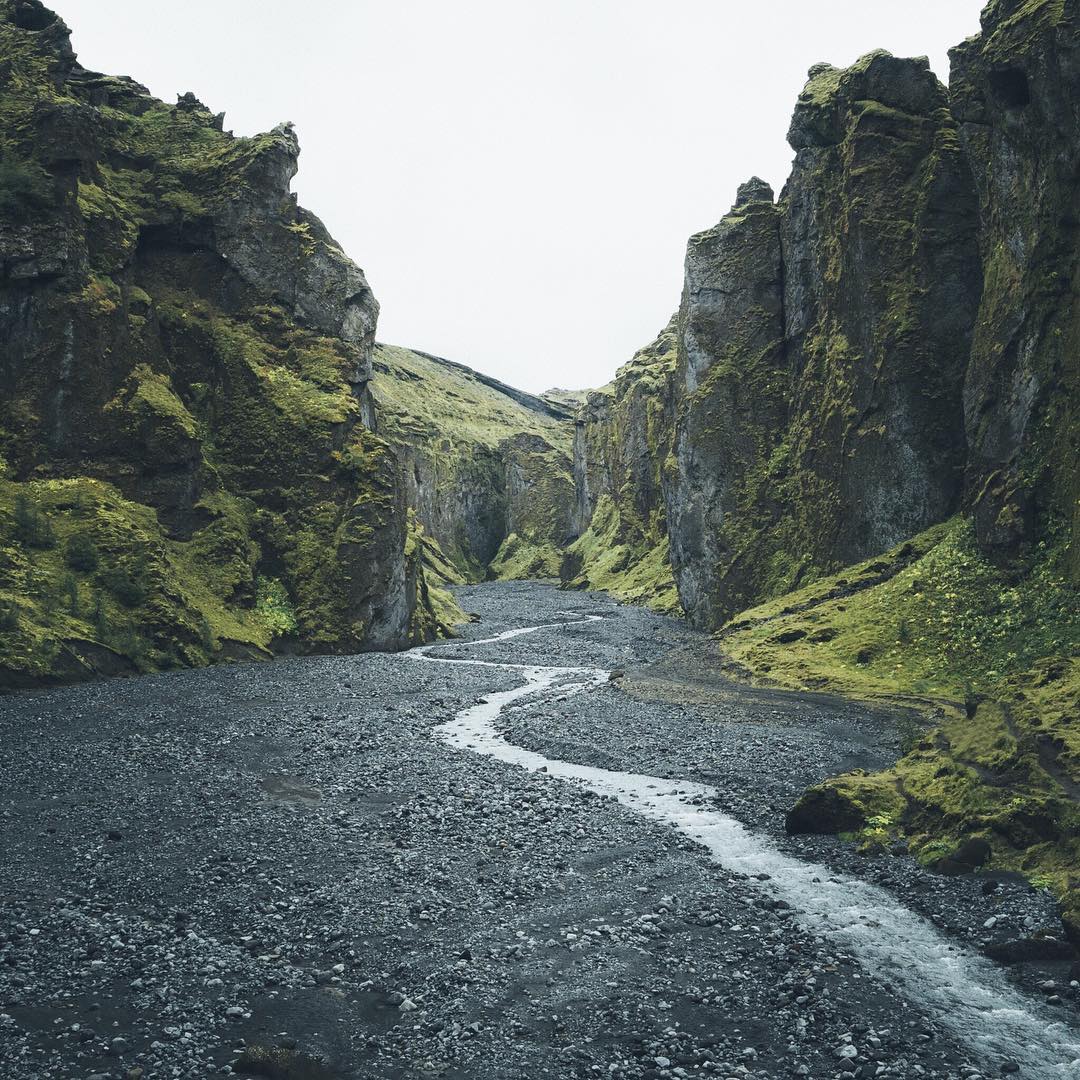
{"x":279,"y":855}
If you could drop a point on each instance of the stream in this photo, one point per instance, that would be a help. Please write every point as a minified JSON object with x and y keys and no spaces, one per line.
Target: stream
{"x":964,"y":991}
{"x":488,"y":859}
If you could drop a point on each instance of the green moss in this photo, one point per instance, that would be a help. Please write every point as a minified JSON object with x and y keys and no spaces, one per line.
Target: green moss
{"x":274,"y":608}
{"x":224,"y":546}
{"x":451,"y":408}
{"x":630,"y":563}
{"x":517,"y":558}
{"x":822,"y":86}
{"x":861,"y":805}
{"x":437,"y":612}
{"x":149,"y":410}
{"x":26,"y":189}
{"x":932,"y":611}
{"x":100,"y":296}
{"x":992,"y":660}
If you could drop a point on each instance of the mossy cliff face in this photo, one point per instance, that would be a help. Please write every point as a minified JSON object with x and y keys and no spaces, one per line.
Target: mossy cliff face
{"x":881,"y":286}
{"x":622,"y":439}
{"x":974,"y":623}
{"x":1016,"y":93}
{"x":731,"y":383}
{"x":822,"y":344}
{"x":487,"y":468}
{"x":184,"y":357}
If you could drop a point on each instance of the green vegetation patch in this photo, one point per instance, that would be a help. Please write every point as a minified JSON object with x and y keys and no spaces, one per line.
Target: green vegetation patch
{"x":629,"y":563}
{"x":519,"y":559}
{"x":437,"y":611}
{"x":450,"y":408}
{"x":989,"y":656}
{"x":90,"y":584}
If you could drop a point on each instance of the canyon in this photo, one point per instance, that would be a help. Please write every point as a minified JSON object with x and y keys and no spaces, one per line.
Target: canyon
{"x":850,"y":462}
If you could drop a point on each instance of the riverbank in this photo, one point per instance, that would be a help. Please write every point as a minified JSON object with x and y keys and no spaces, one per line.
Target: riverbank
{"x":286,"y":855}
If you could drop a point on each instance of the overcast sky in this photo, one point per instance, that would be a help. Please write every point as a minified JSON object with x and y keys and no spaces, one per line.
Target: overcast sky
{"x":517,"y":177}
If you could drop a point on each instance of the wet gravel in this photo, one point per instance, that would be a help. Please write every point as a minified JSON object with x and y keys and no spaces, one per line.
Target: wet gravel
{"x":761,"y":749}
{"x":280,"y":855}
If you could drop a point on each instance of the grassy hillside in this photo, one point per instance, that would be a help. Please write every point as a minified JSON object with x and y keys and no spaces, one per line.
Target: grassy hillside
{"x":990,"y":657}
{"x":487,"y":467}
{"x":437,"y":402}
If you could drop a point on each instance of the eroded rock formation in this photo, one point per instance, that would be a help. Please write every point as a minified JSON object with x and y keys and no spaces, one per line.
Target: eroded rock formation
{"x":843,"y":378}
{"x":184,"y":362}
{"x":487,"y":468}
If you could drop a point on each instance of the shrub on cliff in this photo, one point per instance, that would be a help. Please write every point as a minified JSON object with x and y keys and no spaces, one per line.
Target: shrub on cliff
{"x":82,"y":553}
{"x":32,"y":526}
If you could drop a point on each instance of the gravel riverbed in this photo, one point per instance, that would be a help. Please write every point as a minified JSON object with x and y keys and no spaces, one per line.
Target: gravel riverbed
{"x":278,"y":868}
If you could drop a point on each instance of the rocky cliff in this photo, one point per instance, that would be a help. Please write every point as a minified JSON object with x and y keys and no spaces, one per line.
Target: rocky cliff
{"x":810,"y":411}
{"x":622,"y":433}
{"x":842,"y":376}
{"x":1015,"y":92}
{"x":487,"y":467}
{"x":869,"y":437}
{"x":187,"y":463}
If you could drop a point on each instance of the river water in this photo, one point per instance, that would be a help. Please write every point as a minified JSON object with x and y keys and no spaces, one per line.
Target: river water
{"x":964,"y":991}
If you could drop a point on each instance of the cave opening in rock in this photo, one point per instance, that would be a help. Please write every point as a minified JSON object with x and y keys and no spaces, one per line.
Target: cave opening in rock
{"x":1010,"y":87}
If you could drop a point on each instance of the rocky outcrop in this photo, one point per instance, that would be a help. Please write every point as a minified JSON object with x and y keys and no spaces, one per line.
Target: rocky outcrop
{"x":731,"y":382}
{"x":621,"y":441}
{"x":881,"y":287}
{"x":487,"y":468}
{"x":188,"y":469}
{"x":1016,"y":94}
{"x":814,"y":415}
{"x":822,"y":346}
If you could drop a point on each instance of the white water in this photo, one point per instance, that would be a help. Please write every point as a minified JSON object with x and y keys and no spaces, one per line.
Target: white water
{"x":963,"y":991}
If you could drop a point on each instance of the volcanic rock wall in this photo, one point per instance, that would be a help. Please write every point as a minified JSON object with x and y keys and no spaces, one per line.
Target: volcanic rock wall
{"x":187,"y":469}
{"x":889,"y":343}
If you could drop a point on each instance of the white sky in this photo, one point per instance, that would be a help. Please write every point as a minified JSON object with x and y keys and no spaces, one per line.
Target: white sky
{"x":517,"y":177}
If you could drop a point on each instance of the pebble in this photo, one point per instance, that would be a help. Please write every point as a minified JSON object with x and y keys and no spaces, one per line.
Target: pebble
{"x":499,"y":899}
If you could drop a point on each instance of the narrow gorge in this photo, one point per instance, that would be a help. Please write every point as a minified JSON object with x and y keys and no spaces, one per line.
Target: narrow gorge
{"x":812,"y":557}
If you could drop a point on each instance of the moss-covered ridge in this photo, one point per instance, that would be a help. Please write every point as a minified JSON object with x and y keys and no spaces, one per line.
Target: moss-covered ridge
{"x":183,"y":390}
{"x":990,"y":659}
{"x":487,"y":468}
{"x":621,"y":443}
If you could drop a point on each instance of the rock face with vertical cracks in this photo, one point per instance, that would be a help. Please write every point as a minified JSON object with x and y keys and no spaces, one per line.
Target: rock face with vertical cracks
{"x":731,"y":382}
{"x":622,"y":438}
{"x":184,"y":365}
{"x":881,"y":287}
{"x":487,"y":467}
{"x":1016,"y":94}
{"x":821,"y":347}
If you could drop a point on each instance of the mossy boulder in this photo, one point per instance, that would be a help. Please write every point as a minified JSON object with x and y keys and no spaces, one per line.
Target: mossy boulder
{"x":847,"y":804}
